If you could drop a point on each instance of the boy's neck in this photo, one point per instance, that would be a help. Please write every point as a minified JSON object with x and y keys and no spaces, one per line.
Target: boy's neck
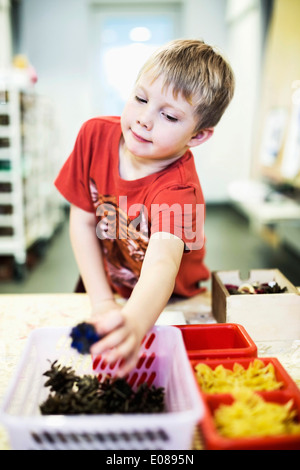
{"x":132,"y":167}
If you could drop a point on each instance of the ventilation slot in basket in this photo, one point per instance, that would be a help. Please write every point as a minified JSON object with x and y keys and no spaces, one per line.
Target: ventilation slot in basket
{"x":135,"y":439}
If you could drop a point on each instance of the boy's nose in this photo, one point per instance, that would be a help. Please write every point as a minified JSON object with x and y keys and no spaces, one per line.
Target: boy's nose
{"x":145,"y":120}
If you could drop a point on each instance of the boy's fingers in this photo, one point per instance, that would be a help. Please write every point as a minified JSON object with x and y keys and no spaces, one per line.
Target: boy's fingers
{"x":127,"y":365}
{"x":127,"y":354}
{"x":121,"y":351}
{"x":111,"y":340}
{"x":108,"y":321}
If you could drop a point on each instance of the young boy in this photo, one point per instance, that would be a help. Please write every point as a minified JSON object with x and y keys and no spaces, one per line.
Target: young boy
{"x":136,"y":219}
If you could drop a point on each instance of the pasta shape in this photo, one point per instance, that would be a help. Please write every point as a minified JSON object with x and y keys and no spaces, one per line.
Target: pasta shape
{"x":251,"y":415}
{"x":257,"y":376}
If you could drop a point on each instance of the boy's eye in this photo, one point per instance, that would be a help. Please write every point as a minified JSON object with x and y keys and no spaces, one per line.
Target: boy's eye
{"x":140,"y":100}
{"x":170,"y":118}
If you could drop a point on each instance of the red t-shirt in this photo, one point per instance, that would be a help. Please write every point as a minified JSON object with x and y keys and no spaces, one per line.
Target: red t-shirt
{"x":127,"y":213}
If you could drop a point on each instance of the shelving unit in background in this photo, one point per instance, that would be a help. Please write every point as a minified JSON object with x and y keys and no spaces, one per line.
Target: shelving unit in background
{"x":30,"y":209}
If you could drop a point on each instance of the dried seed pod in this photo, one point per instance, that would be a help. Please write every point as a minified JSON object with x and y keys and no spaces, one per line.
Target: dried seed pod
{"x":85,"y":395}
{"x":61,"y":378}
{"x":232,"y":289}
{"x":271,"y":287}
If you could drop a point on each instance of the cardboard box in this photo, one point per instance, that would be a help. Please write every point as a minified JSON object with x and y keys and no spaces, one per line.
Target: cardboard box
{"x":265,"y":317}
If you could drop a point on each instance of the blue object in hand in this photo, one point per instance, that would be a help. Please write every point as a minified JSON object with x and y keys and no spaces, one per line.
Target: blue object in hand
{"x":83,"y":336}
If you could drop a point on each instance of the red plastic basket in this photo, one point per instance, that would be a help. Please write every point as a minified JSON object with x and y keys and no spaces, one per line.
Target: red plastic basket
{"x":221,"y":340}
{"x":289,"y":390}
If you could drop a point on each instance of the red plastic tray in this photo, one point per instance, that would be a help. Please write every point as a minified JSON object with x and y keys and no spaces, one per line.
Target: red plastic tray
{"x":220,"y":340}
{"x":214,"y":441}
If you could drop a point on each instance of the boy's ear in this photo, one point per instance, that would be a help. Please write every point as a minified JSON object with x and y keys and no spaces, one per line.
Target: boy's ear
{"x":201,"y":137}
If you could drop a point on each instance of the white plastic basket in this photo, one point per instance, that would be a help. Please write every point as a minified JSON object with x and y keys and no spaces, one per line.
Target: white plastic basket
{"x":163,"y":362}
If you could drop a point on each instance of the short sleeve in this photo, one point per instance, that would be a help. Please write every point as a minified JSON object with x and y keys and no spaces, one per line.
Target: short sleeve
{"x":73,"y":178}
{"x":180,"y":211}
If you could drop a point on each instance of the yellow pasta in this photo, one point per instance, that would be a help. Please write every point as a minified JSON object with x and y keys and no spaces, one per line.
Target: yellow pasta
{"x":250,"y":415}
{"x":257,"y":376}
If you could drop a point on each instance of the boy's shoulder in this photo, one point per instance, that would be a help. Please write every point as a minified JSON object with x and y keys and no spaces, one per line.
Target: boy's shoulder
{"x":180,"y":177}
{"x":101,"y":122}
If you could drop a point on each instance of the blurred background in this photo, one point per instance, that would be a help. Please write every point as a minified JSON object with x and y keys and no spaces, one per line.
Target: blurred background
{"x":65,"y":61}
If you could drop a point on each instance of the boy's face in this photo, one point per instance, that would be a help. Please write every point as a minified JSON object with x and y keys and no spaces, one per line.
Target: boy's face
{"x":156,"y":125}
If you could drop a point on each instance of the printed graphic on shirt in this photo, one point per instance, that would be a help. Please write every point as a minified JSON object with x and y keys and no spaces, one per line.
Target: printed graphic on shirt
{"x":124,"y":240}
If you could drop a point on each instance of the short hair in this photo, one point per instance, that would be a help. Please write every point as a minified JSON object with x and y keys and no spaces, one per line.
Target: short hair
{"x":199,"y":72}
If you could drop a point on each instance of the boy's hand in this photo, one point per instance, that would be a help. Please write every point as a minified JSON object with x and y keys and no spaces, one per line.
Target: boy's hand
{"x":104,"y":306}
{"x":122,"y":340}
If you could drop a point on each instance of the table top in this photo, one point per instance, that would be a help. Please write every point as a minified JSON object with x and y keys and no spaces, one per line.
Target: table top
{"x":21,"y":313}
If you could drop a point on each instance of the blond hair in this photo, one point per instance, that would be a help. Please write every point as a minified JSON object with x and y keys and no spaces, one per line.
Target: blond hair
{"x":199,"y":73}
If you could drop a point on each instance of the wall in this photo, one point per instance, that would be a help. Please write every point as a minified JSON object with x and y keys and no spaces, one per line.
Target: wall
{"x":54,"y":37}
{"x":281,"y":92}
{"x":5,"y":34}
{"x":228,"y":155}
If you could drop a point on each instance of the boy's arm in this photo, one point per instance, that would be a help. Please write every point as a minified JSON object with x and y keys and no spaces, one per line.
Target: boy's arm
{"x":88,"y":255}
{"x":157,"y":279}
{"x":125,"y":330}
